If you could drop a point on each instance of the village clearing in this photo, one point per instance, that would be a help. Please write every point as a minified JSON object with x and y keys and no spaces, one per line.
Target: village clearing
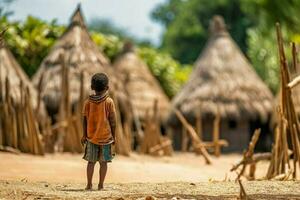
{"x":182,"y":176}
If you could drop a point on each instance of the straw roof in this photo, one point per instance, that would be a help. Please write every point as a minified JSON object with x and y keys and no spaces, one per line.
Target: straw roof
{"x":12,"y":71}
{"x":142,"y":87}
{"x":80,"y":55}
{"x":223,"y":80}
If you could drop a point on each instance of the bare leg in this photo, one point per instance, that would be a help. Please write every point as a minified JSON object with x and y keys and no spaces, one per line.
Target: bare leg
{"x":89,"y":174}
{"x":102,"y":172}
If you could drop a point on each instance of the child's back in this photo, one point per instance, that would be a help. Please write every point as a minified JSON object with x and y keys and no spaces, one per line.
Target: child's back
{"x":99,"y":124}
{"x":99,"y":112}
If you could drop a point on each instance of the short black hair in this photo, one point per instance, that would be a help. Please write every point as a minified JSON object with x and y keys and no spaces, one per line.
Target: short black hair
{"x":99,"y":82}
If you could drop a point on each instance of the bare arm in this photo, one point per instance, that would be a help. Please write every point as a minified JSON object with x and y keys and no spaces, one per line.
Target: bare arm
{"x":84,"y":126}
{"x":112,"y":122}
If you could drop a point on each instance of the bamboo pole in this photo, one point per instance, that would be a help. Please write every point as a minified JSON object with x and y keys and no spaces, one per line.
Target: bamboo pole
{"x":199,"y":127}
{"x":7,"y":115}
{"x":196,"y":141}
{"x":216,"y":135}
{"x":185,"y":139}
{"x":153,"y":142}
{"x":248,"y":157}
{"x":39,"y":90}
{"x":288,"y":121}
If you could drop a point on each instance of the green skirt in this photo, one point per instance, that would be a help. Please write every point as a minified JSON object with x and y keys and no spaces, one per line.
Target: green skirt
{"x":101,"y":153}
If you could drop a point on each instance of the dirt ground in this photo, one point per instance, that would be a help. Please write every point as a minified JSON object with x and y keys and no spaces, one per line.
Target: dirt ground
{"x":184,"y":175}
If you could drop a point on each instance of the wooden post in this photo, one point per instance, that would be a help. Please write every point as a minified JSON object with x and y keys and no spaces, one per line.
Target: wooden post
{"x":197,"y":143}
{"x":39,"y":90}
{"x":184,"y":140}
{"x":216,"y":134}
{"x":199,"y":127}
{"x":248,"y":157}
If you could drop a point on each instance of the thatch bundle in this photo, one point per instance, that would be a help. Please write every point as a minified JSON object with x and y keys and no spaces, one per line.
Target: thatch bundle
{"x":142,"y":87}
{"x":10,"y":69}
{"x":223,"y":79}
{"x":81,"y":55}
{"x":21,"y":111}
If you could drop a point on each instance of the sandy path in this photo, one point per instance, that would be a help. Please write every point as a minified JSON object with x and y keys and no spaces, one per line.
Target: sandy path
{"x":257,"y":190}
{"x":184,"y":175}
{"x":66,"y":168}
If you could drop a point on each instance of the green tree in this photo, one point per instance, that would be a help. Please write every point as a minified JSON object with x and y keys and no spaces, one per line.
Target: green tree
{"x":31,"y":40}
{"x":261,"y":40}
{"x":169,"y":72}
{"x":110,"y":45}
{"x":186,"y":23}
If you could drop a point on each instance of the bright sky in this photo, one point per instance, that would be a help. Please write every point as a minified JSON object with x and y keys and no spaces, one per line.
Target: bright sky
{"x":132,"y":15}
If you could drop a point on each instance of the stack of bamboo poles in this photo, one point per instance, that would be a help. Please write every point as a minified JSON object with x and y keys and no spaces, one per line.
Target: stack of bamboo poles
{"x":153,"y":142}
{"x":251,"y":159}
{"x":286,"y":132}
{"x":123,"y":141}
{"x":19,"y":127}
{"x":288,"y":124}
{"x":68,"y":129}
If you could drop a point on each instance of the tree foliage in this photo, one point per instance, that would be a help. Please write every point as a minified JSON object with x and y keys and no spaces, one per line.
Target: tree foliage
{"x":261,"y":38}
{"x":187,"y":21}
{"x":169,"y":72}
{"x":251,"y":23}
{"x":30,"y":41}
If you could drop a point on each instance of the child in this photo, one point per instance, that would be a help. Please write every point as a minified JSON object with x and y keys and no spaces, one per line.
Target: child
{"x":99,"y":124}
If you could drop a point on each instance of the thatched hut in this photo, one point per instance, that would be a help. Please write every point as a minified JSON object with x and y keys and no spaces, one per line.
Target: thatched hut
{"x":11,"y":72}
{"x":76,"y":50}
{"x":224,"y":82}
{"x":141,"y":86}
{"x":21,"y":111}
{"x":148,"y":104}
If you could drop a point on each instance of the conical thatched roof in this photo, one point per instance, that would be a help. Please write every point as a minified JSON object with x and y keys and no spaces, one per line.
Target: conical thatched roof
{"x":10,"y":70}
{"x":224,"y":80}
{"x":142,"y":87}
{"x":80,"y":54}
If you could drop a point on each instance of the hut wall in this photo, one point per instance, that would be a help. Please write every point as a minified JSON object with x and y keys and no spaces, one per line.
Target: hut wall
{"x":236,"y":133}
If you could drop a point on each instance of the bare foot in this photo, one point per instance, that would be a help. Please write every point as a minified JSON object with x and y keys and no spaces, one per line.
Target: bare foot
{"x":100,"y":187}
{"x":88,"y":187}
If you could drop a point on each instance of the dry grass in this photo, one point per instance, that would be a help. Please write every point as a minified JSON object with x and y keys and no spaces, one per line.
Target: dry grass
{"x":10,"y":69}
